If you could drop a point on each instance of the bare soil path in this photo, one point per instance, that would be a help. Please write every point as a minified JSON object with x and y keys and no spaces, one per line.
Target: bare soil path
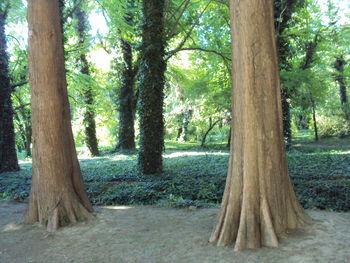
{"x":149,"y":234}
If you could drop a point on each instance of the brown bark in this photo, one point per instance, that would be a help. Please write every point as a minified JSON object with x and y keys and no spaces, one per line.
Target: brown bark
{"x":259,"y":202}
{"x":57,"y":195}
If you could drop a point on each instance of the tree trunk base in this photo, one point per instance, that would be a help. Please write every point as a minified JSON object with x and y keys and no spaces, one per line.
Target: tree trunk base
{"x":59,"y":211}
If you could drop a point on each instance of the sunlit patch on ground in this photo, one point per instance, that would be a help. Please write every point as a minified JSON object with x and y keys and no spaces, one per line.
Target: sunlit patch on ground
{"x":11,"y":227}
{"x":193,"y":153}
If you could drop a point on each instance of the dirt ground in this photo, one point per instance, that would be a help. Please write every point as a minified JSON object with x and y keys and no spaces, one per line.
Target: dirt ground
{"x":148,"y":234}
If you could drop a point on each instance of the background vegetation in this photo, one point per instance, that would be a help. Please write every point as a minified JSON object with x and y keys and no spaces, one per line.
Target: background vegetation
{"x":197,"y":92}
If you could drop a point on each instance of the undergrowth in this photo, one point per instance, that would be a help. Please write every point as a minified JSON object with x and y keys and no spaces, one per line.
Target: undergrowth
{"x":321,"y":177}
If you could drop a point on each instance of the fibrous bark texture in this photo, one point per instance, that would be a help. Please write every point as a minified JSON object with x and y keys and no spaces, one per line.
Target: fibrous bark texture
{"x":8,"y":155}
{"x":89,"y":112}
{"x":58,"y":194}
{"x":151,"y":96}
{"x":259,"y":202}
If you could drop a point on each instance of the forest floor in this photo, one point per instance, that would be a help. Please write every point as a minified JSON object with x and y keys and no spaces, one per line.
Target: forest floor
{"x":149,"y":234}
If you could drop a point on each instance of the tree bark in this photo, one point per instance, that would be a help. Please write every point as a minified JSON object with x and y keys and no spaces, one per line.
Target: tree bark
{"x":340,"y":78}
{"x":259,"y":202}
{"x":151,"y":77}
{"x":89,"y":113}
{"x":58,"y":195}
{"x":127,"y":101}
{"x":8,"y":155}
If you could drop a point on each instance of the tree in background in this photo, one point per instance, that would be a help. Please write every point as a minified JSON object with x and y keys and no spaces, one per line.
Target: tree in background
{"x":283,"y":11}
{"x":58,"y":194}
{"x":127,"y":98}
{"x":151,"y":87}
{"x":259,"y":202}
{"x":8,"y":155}
{"x":340,"y":78}
{"x":82,"y":27}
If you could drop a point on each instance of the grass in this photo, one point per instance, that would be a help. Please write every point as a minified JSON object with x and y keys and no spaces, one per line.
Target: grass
{"x":196,"y":176}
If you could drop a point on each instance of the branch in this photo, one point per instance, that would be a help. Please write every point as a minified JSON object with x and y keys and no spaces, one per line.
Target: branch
{"x":20,"y":84}
{"x":173,"y":52}
{"x":188,"y":34}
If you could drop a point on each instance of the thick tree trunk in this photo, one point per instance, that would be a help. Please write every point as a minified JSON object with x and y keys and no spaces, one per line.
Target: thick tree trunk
{"x":259,"y":202}
{"x":127,"y":101}
{"x":58,"y":194}
{"x":151,"y":76}
{"x":89,"y":113}
{"x":8,"y":155}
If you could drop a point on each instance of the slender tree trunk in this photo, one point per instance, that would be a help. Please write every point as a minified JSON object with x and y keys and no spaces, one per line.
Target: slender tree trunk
{"x":57,"y":196}
{"x":186,"y":122}
{"x":151,"y":76}
{"x":259,"y":202}
{"x":127,"y":101}
{"x":287,"y":127}
{"x":340,"y":78}
{"x":24,"y":122}
{"x":8,"y":155}
{"x":211,"y":126}
{"x":185,"y":118}
{"x":229,"y":138}
{"x":89,"y":114}
{"x":313,"y":106}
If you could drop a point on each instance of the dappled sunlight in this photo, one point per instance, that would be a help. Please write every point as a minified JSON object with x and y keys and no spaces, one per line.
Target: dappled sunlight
{"x":11,"y":227}
{"x":186,"y":154}
{"x":118,"y":207}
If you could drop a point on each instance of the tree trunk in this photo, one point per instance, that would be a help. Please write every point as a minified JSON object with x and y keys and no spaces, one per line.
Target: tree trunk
{"x":8,"y":155}
{"x":89,"y":113}
{"x":151,"y":77}
{"x":57,"y":196}
{"x":313,"y":106}
{"x":340,"y":78}
{"x":259,"y":202}
{"x":186,"y":121}
{"x":283,"y":11}
{"x":229,"y":138}
{"x":211,"y":126}
{"x":24,"y":123}
{"x":127,"y":101}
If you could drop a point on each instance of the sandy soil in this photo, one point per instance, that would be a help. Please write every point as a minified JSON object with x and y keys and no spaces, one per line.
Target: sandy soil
{"x":148,"y":234}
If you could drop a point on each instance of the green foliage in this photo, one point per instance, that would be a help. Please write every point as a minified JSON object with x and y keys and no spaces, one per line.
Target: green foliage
{"x":197,"y":178}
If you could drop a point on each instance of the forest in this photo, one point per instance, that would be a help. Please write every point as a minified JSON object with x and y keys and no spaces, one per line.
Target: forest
{"x":175,"y":104}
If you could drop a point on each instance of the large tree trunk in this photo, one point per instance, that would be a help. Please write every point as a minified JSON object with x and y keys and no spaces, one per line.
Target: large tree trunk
{"x":259,"y":202}
{"x":58,"y":194}
{"x":127,"y":101}
{"x":151,"y":76}
{"x":89,"y":112}
{"x":8,"y":155}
